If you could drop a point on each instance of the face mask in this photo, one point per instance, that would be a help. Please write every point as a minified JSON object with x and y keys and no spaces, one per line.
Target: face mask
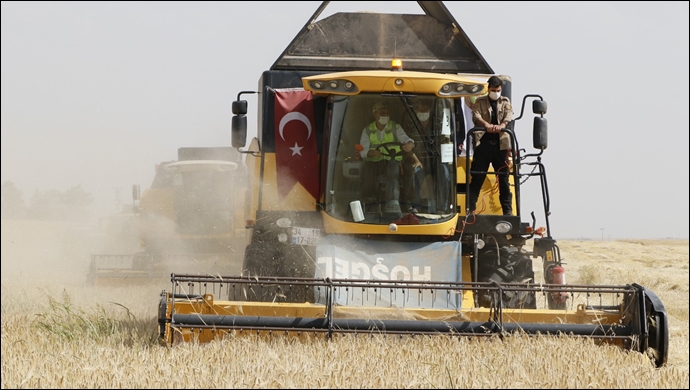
{"x":423,"y":116}
{"x":383,"y":120}
{"x":494,"y":95}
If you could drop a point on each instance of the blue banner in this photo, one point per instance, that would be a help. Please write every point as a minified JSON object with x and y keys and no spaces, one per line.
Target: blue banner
{"x":343,"y":257}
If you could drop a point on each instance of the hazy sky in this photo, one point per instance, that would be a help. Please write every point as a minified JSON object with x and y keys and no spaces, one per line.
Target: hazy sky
{"x":97,"y":93}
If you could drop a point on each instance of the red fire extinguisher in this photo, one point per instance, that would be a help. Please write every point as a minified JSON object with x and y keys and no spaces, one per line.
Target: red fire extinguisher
{"x":558,"y":277}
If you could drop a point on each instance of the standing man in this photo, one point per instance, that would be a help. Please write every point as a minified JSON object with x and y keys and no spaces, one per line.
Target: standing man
{"x":492,"y":112}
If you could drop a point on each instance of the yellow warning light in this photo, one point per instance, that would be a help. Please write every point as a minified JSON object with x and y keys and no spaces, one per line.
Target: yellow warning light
{"x":396,"y":64}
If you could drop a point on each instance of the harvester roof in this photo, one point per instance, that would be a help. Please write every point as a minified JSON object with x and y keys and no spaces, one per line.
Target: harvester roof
{"x":225,"y":153}
{"x":202,"y":165}
{"x":354,"y":41}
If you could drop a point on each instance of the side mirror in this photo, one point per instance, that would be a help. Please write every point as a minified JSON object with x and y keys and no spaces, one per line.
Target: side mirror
{"x":239,"y":107}
{"x":239,"y":124}
{"x":239,"y":130}
{"x":239,"y":121}
{"x":540,"y":133}
{"x":539,"y":107}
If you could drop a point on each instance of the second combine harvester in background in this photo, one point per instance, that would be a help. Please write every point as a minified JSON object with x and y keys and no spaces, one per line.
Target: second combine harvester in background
{"x":189,"y":220}
{"x":325,"y":255}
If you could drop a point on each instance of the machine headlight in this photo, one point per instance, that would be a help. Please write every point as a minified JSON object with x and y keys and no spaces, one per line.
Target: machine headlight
{"x":503,"y":227}
{"x":284,"y":222}
{"x":282,"y":237}
{"x":457,"y":89}
{"x":393,"y":228}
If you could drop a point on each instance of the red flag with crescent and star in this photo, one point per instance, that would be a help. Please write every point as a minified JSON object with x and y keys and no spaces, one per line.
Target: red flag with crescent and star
{"x":295,"y":139}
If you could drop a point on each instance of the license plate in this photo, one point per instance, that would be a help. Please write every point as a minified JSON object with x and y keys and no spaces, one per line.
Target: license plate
{"x":305,"y":236}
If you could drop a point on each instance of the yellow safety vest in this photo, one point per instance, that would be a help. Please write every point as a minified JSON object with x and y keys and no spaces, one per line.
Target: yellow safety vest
{"x":388,"y":136}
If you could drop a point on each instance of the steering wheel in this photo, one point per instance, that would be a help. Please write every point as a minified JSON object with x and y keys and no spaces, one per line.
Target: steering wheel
{"x":387,"y":146}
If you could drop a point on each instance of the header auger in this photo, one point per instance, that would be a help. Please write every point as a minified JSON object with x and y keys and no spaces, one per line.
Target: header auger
{"x":205,"y":307}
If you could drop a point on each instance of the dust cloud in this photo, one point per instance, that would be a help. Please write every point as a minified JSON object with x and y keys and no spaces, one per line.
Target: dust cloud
{"x":176,"y":231}
{"x":42,"y":250}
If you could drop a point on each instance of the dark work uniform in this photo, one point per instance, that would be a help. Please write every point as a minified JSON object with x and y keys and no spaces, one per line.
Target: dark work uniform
{"x":489,"y":152}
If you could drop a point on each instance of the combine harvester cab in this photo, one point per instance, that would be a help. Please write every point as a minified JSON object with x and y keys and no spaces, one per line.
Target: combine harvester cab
{"x":326,"y":256}
{"x":189,"y":220}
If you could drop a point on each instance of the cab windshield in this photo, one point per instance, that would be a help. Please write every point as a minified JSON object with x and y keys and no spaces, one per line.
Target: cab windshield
{"x":203,"y":201}
{"x":373,"y":176}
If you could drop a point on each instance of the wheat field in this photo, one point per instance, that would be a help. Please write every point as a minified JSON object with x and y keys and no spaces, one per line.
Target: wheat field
{"x":58,"y":332}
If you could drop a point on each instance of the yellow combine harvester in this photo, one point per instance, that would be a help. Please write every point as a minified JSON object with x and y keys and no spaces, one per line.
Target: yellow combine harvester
{"x":325,"y":256}
{"x":189,"y":220}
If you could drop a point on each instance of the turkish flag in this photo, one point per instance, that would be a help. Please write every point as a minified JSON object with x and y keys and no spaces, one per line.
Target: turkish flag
{"x":295,"y":139}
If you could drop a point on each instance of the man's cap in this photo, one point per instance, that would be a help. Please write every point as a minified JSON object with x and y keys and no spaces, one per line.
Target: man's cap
{"x":379,"y":105}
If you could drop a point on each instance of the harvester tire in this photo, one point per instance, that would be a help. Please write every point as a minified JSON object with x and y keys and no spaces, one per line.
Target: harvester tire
{"x":257,"y":263}
{"x":263,"y":262}
{"x":509,"y":265}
